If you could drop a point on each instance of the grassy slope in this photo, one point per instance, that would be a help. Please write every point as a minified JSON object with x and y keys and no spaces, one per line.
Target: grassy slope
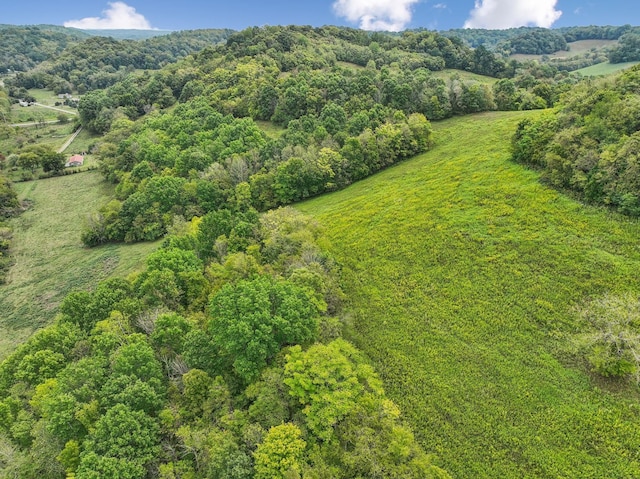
{"x":462,"y":272}
{"x":50,"y":259}
{"x":605,"y":68}
{"x":464,"y":75}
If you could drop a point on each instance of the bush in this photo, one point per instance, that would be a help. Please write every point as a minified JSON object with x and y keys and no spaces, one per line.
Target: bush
{"x":612,"y":346}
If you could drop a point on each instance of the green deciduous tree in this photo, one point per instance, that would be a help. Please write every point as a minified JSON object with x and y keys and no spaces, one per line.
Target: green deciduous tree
{"x":253,"y":319}
{"x":281,"y":453}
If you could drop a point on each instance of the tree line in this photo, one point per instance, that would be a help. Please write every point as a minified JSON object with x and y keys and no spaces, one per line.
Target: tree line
{"x":98,"y":62}
{"x":341,"y":122}
{"x":590,"y":145}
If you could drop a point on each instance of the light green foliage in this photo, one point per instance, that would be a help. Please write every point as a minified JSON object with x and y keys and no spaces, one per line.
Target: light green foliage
{"x":329,"y":381}
{"x":253,"y":319}
{"x":612,"y":345}
{"x":43,"y":364}
{"x":280,"y":455}
{"x":70,"y":456}
{"x":203,"y":398}
{"x":169,"y":333}
{"x":125,"y":434}
{"x":217,"y":453}
{"x":473,"y":338}
{"x":138,"y":360}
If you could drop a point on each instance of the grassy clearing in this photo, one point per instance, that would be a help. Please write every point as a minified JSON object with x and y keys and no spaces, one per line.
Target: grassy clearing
{"x":53,"y":134}
{"x":575,"y":49}
{"x":462,"y":272}
{"x":271,"y":129}
{"x":350,"y":66}
{"x":35,"y":113}
{"x":49,"y":98}
{"x":50,"y":259}
{"x":466,"y":76}
{"x":605,"y":68}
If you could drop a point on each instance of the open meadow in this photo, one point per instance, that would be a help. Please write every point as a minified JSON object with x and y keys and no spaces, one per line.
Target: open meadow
{"x":50,"y":259}
{"x":463,"y":273}
{"x":605,"y":69}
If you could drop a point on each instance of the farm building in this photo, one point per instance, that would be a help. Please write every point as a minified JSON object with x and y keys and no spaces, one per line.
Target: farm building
{"x":75,"y":160}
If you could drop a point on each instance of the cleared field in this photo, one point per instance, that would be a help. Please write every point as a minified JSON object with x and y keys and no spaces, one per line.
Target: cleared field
{"x":270,"y":128}
{"x":466,"y":76}
{"x":50,"y":258}
{"x":605,"y":68}
{"x":49,"y":98}
{"x":53,"y":134}
{"x":575,"y":48}
{"x":462,"y":273}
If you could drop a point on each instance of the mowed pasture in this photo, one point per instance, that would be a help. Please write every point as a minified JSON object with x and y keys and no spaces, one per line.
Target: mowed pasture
{"x":50,"y":259}
{"x":463,"y":273}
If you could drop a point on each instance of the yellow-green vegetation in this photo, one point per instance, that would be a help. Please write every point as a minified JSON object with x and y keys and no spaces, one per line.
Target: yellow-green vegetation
{"x":53,"y":135}
{"x":464,"y":76}
{"x":605,"y":68}
{"x":463,"y":272}
{"x":33,"y":114}
{"x":50,"y":258}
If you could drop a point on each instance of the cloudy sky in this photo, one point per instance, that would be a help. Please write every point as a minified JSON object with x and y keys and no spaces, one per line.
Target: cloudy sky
{"x":368,"y":14}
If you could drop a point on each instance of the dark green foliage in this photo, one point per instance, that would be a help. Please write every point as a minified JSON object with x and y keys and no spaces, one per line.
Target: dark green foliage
{"x":23,"y":47}
{"x":9,"y":204}
{"x":628,"y":49}
{"x":126,"y":434}
{"x":538,"y":42}
{"x":82,"y":64}
{"x":86,"y":309}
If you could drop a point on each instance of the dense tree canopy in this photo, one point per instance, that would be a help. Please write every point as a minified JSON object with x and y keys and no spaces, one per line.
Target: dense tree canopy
{"x":142,"y":378}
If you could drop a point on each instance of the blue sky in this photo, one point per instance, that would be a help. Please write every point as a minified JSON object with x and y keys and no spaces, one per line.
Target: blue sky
{"x":369,"y":14}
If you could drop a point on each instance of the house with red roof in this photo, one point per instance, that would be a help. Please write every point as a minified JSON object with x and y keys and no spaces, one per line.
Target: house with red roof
{"x":75,"y":160}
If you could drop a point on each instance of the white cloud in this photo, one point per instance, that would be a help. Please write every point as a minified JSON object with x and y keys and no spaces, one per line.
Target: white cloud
{"x":497,"y":14}
{"x":117,"y":16}
{"x":440,"y":6}
{"x":391,"y":15}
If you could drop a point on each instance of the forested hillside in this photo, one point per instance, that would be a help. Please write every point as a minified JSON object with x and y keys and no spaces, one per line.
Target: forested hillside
{"x":99,"y":62}
{"x":24,"y":47}
{"x":590,"y":145}
{"x":350,"y":102}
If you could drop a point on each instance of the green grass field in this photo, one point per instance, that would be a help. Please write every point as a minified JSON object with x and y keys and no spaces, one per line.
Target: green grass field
{"x":464,"y":75}
{"x":50,"y":258}
{"x":271,"y":129}
{"x":53,"y":134}
{"x":605,"y":68}
{"x":463,"y":272}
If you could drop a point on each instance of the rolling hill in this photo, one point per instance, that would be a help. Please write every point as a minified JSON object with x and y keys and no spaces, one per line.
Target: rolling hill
{"x":463,"y":274}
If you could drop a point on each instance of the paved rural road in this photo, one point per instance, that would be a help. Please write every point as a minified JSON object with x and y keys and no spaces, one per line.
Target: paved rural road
{"x":57,"y":109}
{"x":69,"y":141}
